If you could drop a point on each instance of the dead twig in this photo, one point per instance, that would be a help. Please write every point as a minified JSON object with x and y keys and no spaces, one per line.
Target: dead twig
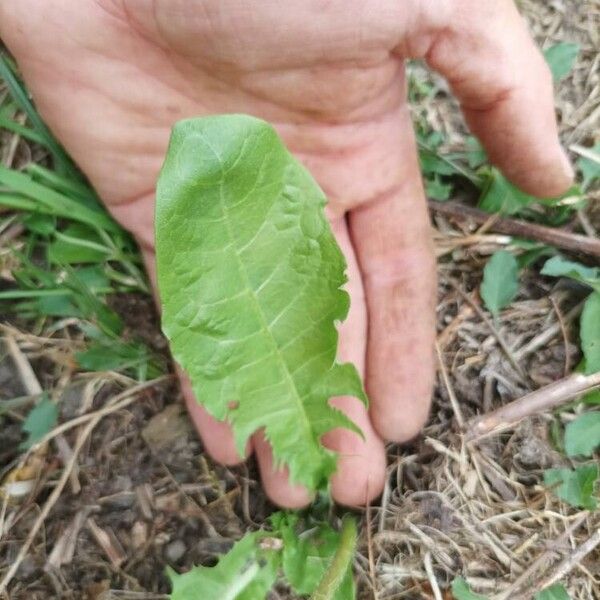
{"x":435,"y":588}
{"x":507,"y":351}
{"x":117,"y":403}
{"x":26,"y":375}
{"x":48,"y":505}
{"x":542,"y":561}
{"x":64,"y":548}
{"x":565,"y":335}
{"x":93,"y":419}
{"x":370,"y":553}
{"x":453,"y":400}
{"x":541,"y":340}
{"x":569,"y":563}
{"x":547,"y":235}
{"x":109,"y":543}
{"x":539,"y":401}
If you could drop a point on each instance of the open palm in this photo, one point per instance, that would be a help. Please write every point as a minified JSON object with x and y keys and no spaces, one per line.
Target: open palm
{"x":112,"y":76}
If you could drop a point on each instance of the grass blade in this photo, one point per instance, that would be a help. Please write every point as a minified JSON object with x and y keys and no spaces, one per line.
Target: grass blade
{"x":54,"y":203}
{"x":20,"y":96}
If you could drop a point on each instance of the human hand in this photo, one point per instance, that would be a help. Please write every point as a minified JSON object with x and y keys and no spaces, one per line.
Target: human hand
{"x":111,"y":77}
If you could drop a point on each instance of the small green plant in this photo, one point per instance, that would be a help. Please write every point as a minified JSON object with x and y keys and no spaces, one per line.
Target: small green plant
{"x":250,"y":278}
{"x":462,"y":591}
{"x":39,"y":421}
{"x":590,"y":317}
{"x":500,"y":281}
{"x":554,"y":592}
{"x":561,"y":58}
{"x":582,"y":436}
{"x":311,"y":557}
{"x":574,"y":486}
{"x":589,"y":166}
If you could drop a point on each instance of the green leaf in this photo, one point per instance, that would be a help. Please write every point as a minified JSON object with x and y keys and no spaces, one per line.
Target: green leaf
{"x":582,"y":436}
{"x":558,"y":266}
{"x":461,"y":590}
{"x":53,"y":294}
{"x":38,"y":223}
{"x":432,"y":163}
{"x":476,"y":155}
{"x":500,"y":281}
{"x":106,"y":354}
{"x":554,"y":592}
{"x":560,"y":58}
{"x":436,"y":189}
{"x":50,"y":202}
{"x":40,"y":420}
{"x":14,"y":126}
{"x":592,"y":398}
{"x":575,"y":487}
{"x":589,"y":332}
{"x":250,"y":276}
{"x":307,"y":556}
{"x":532,"y":253}
{"x":590,"y":166}
{"x":77,"y":244}
{"x":499,"y":195}
{"x":51,"y":306}
{"x":73,"y":188}
{"x":337,"y":583}
{"x":246,"y":572}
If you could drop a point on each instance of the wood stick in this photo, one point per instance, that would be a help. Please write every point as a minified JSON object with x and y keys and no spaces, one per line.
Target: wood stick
{"x":435,"y":588}
{"x":93,"y":419}
{"x":48,"y":505}
{"x":108,"y":541}
{"x":570,"y":562}
{"x":449,"y":389}
{"x":539,"y":341}
{"x":507,"y":351}
{"x":543,"y":560}
{"x":548,"y":235}
{"x":539,"y":401}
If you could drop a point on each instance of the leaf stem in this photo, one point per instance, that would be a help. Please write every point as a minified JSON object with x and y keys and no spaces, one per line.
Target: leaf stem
{"x":340,"y":564}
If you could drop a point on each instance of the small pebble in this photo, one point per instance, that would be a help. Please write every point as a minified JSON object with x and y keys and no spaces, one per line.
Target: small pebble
{"x":139,"y":534}
{"x":175,"y":550}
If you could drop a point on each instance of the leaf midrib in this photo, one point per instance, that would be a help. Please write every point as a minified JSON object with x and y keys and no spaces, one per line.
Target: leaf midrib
{"x":258,"y":308}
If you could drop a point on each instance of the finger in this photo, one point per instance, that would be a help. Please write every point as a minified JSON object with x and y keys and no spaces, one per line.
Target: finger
{"x":217,"y":436}
{"x":505,"y":90}
{"x":392,"y":240}
{"x":276,"y":480}
{"x":360,"y":474}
